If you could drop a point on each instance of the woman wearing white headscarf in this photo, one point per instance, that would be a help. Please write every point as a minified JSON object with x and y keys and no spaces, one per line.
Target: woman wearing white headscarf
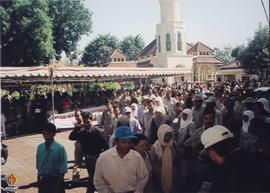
{"x":187,"y":126}
{"x":247,"y":139}
{"x":134,"y":110}
{"x":163,"y":156}
{"x":186,"y":160}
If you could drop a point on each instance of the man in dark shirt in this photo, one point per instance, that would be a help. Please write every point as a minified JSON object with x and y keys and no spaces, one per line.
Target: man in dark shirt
{"x":92,"y":143}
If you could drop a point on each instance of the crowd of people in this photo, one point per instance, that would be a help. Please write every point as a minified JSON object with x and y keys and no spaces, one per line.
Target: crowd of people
{"x":27,"y":113}
{"x":184,"y":137}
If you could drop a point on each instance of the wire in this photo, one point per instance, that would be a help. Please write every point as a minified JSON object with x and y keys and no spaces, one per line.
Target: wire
{"x":265,"y":11}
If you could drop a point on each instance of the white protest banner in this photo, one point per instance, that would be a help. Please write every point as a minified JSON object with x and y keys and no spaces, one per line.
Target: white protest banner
{"x":67,"y":120}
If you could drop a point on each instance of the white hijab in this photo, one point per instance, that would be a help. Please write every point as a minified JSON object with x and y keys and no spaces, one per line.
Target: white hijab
{"x":245,"y":125}
{"x":164,"y":152}
{"x":135,"y":111}
{"x":185,"y":123}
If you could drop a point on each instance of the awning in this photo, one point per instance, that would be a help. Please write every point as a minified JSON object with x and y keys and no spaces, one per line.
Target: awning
{"x":42,"y":75}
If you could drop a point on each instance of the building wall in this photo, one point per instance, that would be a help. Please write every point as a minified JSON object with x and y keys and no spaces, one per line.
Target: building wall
{"x":173,"y":61}
{"x":131,"y":64}
{"x":162,"y":29}
{"x":230,"y":74}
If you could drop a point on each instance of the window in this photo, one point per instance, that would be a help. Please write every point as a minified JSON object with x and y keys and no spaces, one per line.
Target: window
{"x":119,"y":59}
{"x":179,"y":41}
{"x":122,"y":59}
{"x":159,"y":44}
{"x":115,"y":59}
{"x":168,"y":42}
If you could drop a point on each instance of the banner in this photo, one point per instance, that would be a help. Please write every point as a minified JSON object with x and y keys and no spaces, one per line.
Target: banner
{"x":67,"y":120}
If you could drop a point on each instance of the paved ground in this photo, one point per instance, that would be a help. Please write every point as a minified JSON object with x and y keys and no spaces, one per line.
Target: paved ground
{"x":21,"y":162}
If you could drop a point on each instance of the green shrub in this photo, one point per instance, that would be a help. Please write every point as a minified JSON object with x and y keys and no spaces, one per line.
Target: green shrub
{"x":131,"y":86}
{"x":16,"y":95}
{"x":115,"y":86}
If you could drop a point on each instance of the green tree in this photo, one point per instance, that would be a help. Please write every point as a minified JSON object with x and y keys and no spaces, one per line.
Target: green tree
{"x":255,"y":57}
{"x":237,"y":51}
{"x":131,"y":46}
{"x":98,"y":50}
{"x":70,"y":21}
{"x":27,"y":33}
{"x":224,"y":54}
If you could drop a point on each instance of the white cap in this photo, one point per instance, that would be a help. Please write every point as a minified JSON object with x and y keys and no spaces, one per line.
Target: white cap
{"x":214,"y":135}
{"x":160,"y":109}
{"x":127,"y":110}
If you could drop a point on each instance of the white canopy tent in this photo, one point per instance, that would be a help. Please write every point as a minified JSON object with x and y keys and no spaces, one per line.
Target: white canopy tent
{"x":43,"y":75}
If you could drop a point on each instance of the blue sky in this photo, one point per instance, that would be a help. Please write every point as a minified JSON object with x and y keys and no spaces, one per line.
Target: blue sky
{"x":214,"y":22}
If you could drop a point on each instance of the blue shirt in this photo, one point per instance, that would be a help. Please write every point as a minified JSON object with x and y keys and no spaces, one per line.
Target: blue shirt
{"x":52,"y":161}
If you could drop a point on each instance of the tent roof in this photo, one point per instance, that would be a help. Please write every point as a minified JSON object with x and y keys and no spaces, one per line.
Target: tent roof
{"x":82,"y":74}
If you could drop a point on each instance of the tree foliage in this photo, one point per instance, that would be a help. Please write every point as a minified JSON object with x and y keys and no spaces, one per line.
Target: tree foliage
{"x":255,"y":57}
{"x":71,"y":20}
{"x":236,"y":52}
{"x":34,"y":32}
{"x":224,"y":54}
{"x":27,"y":33}
{"x":99,"y":49}
{"x":131,"y":46}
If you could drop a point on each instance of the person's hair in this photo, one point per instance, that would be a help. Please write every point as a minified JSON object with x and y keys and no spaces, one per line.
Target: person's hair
{"x":139,"y":137}
{"x":209,"y":112}
{"x":86,"y":115}
{"x":108,"y":102}
{"x":116,"y":107}
{"x":210,"y":106}
{"x":224,"y":148}
{"x":178,"y":104}
{"x":150,"y":101}
{"x":49,"y":127}
{"x":189,"y":103}
{"x":78,"y":110}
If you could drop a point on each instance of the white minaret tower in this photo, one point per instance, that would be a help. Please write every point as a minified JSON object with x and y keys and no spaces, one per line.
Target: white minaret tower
{"x":170,"y":35}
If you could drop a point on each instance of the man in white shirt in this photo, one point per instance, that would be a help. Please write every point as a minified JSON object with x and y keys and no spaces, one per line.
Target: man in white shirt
{"x":121,"y":169}
{"x":142,"y":109}
{"x":169,"y":103}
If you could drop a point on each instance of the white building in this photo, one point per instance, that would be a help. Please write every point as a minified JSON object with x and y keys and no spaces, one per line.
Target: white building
{"x":170,"y":50}
{"x":170,"y":39}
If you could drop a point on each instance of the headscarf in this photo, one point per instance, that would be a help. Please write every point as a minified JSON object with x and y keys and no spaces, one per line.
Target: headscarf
{"x":158,"y":120}
{"x":245,"y":125}
{"x":185,"y":123}
{"x":134,"y":112}
{"x":265,"y":103}
{"x":166,"y":157}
